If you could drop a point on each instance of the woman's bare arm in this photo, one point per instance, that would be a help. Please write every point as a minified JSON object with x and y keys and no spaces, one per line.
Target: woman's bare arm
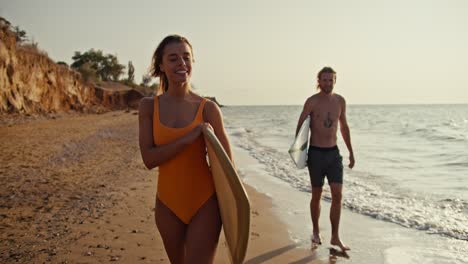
{"x":212,"y":114}
{"x":152,"y":154}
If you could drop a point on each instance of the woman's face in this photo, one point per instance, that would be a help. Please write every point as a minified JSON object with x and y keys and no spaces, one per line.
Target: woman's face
{"x":177,"y":62}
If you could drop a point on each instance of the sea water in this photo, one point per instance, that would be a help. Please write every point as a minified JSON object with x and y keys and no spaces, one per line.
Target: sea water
{"x":411,"y":162}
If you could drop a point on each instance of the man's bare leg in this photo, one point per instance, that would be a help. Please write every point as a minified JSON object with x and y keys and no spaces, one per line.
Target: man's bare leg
{"x":315,"y":214}
{"x":335,"y":213}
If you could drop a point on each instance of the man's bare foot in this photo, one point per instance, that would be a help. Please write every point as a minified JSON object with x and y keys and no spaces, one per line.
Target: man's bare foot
{"x":337,"y":242}
{"x":316,"y":239}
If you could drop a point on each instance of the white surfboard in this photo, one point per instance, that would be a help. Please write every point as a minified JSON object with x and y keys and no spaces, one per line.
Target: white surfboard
{"x":298,"y":149}
{"x":234,"y":205}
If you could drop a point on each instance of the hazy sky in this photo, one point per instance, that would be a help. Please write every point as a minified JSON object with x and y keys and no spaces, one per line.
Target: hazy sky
{"x":269,"y":52}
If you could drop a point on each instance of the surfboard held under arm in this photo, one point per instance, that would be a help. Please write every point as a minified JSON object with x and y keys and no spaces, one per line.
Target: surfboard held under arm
{"x":234,"y":205}
{"x":298,"y":149}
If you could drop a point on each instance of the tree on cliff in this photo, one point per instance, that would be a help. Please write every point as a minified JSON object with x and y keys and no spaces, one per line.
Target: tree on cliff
{"x":106,"y":67}
{"x":131,"y":72}
{"x":145,"y":80}
{"x":20,"y":34}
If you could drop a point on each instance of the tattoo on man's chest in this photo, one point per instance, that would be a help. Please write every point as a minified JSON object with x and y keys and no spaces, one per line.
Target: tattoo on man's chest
{"x":328,"y":122}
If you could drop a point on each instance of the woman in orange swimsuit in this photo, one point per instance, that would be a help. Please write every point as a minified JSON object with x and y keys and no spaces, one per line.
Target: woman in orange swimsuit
{"x":170,"y":135}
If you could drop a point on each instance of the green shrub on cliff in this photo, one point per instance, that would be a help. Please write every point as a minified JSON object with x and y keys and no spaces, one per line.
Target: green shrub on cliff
{"x":106,"y":67}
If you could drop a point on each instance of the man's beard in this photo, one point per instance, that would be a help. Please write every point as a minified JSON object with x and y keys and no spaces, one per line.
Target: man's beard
{"x":327,"y":90}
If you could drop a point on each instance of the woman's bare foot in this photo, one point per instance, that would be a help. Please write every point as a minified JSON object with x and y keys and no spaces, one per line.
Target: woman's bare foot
{"x":316,"y":239}
{"x":337,"y":242}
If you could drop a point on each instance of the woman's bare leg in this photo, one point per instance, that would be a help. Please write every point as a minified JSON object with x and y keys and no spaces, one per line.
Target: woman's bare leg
{"x":203,"y":233}
{"x":172,"y":231}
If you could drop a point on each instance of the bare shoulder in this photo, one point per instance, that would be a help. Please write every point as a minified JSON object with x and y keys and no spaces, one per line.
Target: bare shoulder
{"x":195,"y":98}
{"x":313,"y":98}
{"x":340,"y":99}
{"x":211,"y":106}
{"x":311,"y":101}
{"x":146,"y":106}
{"x":211,"y":110}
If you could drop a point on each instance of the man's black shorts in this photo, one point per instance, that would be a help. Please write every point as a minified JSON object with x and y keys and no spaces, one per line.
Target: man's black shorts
{"x":323,"y":162}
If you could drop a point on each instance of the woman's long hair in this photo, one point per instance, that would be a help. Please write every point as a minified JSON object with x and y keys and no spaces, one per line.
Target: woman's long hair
{"x":155,"y":69}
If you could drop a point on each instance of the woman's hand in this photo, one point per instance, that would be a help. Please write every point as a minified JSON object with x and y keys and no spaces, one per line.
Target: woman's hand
{"x":197,"y":131}
{"x":207,"y":125}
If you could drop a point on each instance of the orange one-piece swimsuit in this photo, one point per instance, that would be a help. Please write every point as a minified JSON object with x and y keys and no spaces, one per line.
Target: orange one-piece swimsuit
{"x":185,"y":182}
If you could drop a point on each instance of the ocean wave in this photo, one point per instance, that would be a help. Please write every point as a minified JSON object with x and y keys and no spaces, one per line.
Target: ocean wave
{"x":446,"y":217}
{"x":433,"y":134}
{"x":437,"y":127}
{"x":457,"y":164}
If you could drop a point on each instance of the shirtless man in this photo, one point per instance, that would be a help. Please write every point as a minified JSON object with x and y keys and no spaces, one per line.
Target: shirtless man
{"x":326,"y":110}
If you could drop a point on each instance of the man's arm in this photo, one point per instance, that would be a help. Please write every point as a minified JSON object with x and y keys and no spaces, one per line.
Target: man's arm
{"x":307,"y":109}
{"x":344,"y":128}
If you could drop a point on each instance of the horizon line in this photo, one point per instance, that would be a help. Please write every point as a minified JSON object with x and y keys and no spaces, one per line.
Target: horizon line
{"x":362,"y":104}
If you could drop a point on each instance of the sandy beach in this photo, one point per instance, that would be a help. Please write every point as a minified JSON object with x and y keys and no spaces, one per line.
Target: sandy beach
{"x":74,"y":190}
